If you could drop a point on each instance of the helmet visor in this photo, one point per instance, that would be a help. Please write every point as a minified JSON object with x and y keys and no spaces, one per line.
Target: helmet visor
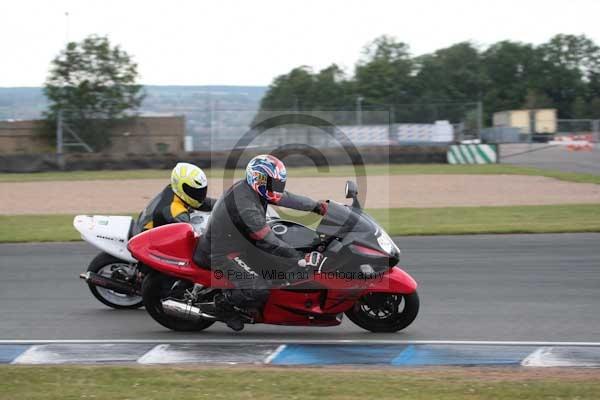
{"x":275,"y":185}
{"x":198,"y":194}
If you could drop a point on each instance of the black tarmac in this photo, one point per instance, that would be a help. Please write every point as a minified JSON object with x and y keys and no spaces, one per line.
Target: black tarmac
{"x":485,"y":287}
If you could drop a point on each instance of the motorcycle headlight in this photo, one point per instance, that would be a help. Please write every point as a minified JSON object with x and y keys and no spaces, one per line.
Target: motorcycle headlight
{"x":387,"y":244}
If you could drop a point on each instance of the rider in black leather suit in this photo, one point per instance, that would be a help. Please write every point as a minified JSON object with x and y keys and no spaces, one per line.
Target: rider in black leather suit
{"x":239,"y":242}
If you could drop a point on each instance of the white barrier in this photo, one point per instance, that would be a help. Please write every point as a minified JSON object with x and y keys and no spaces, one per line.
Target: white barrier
{"x":365,"y":134}
{"x":440,"y":132}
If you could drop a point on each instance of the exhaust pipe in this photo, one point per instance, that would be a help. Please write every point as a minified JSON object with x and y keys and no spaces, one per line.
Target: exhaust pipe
{"x":185,"y":311}
{"x":93,"y":278}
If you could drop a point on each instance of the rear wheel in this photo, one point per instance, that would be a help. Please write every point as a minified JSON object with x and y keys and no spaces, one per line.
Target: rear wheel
{"x":155,"y":289}
{"x":111,"y":267}
{"x":385,"y":312}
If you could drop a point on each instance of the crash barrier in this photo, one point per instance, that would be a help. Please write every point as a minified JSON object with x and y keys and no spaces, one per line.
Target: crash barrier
{"x":472,"y":154}
{"x":575,"y":142}
{"x":364,"y":135}
{"x":225,"y":138}
{"x":393,"y":354}
{"x":290,"y":154}
{"x":503,"y":135}
{"x":439,"y":132}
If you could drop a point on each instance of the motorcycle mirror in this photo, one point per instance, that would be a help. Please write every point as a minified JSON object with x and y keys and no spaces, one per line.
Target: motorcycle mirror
{"x":351,"y":190}
{"x":352,"y":193}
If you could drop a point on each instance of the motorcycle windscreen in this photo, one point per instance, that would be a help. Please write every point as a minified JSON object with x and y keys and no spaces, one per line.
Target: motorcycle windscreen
{"x":341,"y":219}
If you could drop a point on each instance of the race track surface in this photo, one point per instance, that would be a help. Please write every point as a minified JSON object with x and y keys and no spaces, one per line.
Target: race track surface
{"x":497,"y":287}
{"x":556,"y":158}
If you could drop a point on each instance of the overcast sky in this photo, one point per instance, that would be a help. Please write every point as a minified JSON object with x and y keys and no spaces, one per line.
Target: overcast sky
{"x":196,"y":42}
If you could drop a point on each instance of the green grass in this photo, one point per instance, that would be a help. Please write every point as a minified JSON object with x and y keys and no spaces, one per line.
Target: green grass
{"x":85,"y":175}
{"x":150,"y":383}
{"x":479,"y":220}
{"x":37,"y":228}
{"x":394,"y":169}
{"x":397,"y":221}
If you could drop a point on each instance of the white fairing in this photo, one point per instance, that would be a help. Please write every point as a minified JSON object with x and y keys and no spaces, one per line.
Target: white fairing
{"x":108,"y":233}
{"x":272,"y":213}
{"x":111,"y":233}
{"x":199,"y":220}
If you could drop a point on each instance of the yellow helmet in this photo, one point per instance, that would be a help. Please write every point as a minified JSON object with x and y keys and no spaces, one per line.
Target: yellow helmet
{"x":189,"y":183}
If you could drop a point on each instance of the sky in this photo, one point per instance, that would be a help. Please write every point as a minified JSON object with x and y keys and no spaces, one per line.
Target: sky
{"x":235,"y":42}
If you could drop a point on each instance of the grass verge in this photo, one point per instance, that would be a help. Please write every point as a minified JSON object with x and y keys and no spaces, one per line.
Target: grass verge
{"x":148,"y":383}
{"x":397,"y":221}
{"x":394,"y":169}
{"x":479,"y":220}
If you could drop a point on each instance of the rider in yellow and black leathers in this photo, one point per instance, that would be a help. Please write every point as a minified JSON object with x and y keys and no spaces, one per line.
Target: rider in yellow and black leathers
{"x":187,"y":192}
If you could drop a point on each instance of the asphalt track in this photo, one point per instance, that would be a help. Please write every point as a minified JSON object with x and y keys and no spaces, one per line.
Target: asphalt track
{"x":496,"y":287}
{"x":550,"y":157}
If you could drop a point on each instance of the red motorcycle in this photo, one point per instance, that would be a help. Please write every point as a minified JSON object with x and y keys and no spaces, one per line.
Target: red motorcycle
{"x":360,"y":279}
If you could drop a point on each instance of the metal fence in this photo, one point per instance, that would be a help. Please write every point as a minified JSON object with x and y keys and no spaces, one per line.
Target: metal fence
{"x":582,"y":129}
{"x":361,"y":124}
{"x":579,"y":127}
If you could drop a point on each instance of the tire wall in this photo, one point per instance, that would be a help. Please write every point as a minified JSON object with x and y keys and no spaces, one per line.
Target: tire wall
{"x":333,"y":156}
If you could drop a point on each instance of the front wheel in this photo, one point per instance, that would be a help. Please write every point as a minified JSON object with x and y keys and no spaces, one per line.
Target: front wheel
{"x":111,"y":267}
{"x":385,"y":312}
{"x":155,"y":289}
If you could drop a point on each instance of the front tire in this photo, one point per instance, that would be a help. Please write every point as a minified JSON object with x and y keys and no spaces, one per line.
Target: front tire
{"x":384,"y":312}
{"x":104,"y":264}
{"x":157,"y":287}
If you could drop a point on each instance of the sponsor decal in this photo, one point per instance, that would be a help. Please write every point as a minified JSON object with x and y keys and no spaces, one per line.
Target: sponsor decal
{"x":112,"y":239}
{"x":244,"y":266}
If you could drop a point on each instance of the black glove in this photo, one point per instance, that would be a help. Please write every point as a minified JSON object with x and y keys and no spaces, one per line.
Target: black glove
{"x":313,"y":259}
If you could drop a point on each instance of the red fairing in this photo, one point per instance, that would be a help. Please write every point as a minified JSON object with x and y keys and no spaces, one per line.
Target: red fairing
{"x":316,"y":308}
{"x":169,"y":249}
{"x":289,"y":307}
{"x":395,"y":281}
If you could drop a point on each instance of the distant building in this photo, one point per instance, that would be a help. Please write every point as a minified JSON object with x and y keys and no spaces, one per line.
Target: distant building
{"x":538,"y":121}
{"x":140,"y":135}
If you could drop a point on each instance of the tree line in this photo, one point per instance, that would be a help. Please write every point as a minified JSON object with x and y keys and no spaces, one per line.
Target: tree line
{"x":563,"y":73}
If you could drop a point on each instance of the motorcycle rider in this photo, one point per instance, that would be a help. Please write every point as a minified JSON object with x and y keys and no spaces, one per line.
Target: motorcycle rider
{"x":186,"y":192}
{"x":238,"y":239}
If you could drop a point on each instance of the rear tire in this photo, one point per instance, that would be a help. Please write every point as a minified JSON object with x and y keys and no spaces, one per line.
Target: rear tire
{"x":100,"y":265}
{"x":385,"y":312}
{"x":155,"y":288}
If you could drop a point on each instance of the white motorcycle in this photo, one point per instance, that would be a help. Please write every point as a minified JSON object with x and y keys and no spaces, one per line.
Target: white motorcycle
{"x":114,"y":276}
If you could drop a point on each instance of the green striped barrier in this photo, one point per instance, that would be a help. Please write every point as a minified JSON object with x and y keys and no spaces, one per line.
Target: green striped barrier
{"x":472,"y":154}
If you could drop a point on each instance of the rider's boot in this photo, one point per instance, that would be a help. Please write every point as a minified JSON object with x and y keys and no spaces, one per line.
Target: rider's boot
{"x":226,"y":312}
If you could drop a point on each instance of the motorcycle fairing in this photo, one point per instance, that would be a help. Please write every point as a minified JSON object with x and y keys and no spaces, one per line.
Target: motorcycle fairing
{"x":169,"y":249}
{"x":108,"y":233}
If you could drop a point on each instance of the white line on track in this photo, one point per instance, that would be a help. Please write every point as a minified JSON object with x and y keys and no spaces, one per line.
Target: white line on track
{"x":27,"y":356}
{"x":301,"y":341}
{"x":274,"y":354}
{"x":155,"y":355}
{"x":535,"y":359}
{"x":562,"y":357}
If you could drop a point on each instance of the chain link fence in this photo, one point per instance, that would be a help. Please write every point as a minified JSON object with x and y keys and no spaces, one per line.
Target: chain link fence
{"x":589,"y":128}
{"x":215,"y":126}
{"x":221,"y":129}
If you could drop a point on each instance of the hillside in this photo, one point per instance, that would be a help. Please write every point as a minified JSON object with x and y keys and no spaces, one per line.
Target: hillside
{"x":29,"y":102}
